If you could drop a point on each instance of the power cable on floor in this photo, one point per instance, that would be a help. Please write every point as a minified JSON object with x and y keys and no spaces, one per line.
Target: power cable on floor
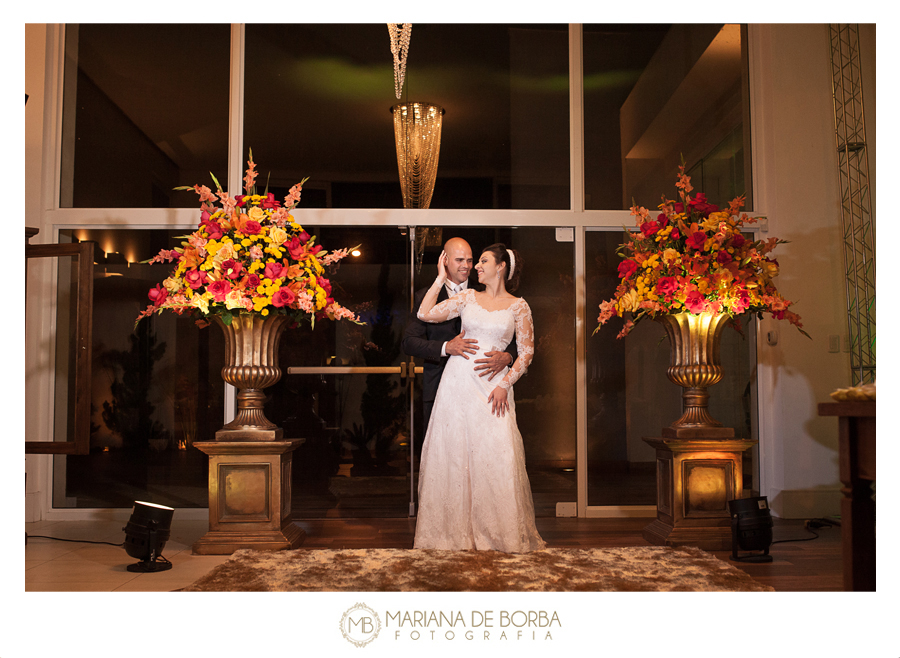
{"x":78,"y":541}
{"x":808,"y":525}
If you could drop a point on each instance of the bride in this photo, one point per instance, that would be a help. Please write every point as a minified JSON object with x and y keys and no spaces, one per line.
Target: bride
{"x":473,"y":489}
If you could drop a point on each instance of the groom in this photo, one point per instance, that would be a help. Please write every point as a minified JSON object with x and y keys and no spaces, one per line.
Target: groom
{"x":437,"y":341}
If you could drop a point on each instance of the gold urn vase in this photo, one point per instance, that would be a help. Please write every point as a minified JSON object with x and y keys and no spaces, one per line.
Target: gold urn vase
{"x":251,"y":350}
{"x":250,"y":462}
{"x":695,"y":365}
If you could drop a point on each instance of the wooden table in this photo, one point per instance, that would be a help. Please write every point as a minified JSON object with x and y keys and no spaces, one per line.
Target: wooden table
{"x":856,"y":435}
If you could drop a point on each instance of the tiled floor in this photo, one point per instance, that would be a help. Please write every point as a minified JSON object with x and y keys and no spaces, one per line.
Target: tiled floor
{"x":58,"y":566}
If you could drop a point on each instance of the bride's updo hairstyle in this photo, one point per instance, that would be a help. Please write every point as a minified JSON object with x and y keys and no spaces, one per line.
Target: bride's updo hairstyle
{"x":501,"y":255}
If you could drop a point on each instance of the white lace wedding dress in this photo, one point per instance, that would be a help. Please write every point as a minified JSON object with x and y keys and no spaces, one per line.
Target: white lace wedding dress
{"x":473,"y":489}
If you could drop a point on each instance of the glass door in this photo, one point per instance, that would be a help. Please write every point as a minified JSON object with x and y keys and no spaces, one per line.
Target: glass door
{"x":546,"y":395}
{"x":345,"y":388}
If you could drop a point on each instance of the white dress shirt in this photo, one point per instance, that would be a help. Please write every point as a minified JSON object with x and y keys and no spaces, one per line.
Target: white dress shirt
{"x":453,"y":289}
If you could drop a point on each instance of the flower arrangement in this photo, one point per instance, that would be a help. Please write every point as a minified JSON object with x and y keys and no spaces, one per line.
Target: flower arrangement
{"x":693,"y":258}
{"x":248,"y":255}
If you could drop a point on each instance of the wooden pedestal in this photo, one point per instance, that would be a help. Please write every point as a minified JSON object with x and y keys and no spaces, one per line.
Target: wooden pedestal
{"x":695,"y":479}
{"x":249,"y":497}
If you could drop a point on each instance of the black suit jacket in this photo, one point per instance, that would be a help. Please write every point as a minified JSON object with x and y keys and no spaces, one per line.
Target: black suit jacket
{"x":425,"y":340}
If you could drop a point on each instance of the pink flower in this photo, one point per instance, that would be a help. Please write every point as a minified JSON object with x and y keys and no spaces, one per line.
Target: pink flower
{"x":293,"y":196}
{"x":165,"y":255}
{"x":325,"y":284}
{"x":250,"y":177}
{"x":256,"y":252}
{"x":283,"y":297}
{"x":220,"y":289}
{"x":741,"y":301}
{"x":695,"y":302}
{"x":295,"y":248}
{"x":274,"y":271}
{"x":252,"y":227}
{"x":303,"y":237}
{"x":158,"y":295}
{"x":204,"y":192}
{"x":232,"y":268}
{"x":195,"y":278}
{"x":627,"y":268}
{"x":629,"y":325}
{"x":316,"y":249}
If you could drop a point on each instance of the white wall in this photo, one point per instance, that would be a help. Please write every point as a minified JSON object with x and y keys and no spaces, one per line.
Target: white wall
{"x":797,"y":185}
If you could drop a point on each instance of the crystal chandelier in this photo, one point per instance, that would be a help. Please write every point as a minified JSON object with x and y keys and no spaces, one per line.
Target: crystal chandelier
{"x":400,"y":34}
{"x":417,"y":133}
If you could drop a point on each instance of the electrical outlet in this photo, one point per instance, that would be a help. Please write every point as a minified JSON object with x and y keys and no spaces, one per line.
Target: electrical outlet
{"x":834,"y":343}
{"x":566,"y":509}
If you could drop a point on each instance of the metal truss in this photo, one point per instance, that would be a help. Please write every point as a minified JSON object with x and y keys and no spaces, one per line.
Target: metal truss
{"x":856,"y":217}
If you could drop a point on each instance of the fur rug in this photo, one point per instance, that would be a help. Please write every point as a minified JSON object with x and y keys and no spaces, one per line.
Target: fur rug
{"x":651,"y":569}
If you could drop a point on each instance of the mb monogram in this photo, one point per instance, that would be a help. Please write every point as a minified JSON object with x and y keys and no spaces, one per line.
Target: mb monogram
{"x":361,"y":624}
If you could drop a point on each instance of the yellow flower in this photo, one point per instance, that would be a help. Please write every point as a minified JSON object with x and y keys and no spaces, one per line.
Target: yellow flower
{"x":201,"y":301}
{"x":278,"y":236}
{"x":172,"y":284}
{"x":670,"y":255}
{"x":257,"y":214}
{"x":630,"y":301}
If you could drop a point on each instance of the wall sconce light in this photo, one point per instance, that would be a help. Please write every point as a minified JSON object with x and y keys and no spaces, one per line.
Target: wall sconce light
{"x":146,"y":534}
{"x":417,"y":133}
{"x":751,"y":528}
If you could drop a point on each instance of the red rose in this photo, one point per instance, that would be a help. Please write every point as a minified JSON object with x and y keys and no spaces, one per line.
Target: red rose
{"x":696,"y":240}
{"x":283,"y":297}
{"x":627,"y":268}
{"x":252,"y":227}
{"x":195,"y":278}
{"x":158,"y":295}
{"x":219,"y":289}
{"x":649,"y":228}
{"x":232,"y":268}
{"x":666,"y":285}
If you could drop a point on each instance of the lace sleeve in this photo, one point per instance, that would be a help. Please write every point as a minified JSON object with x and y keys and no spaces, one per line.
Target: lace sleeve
{"x":447,"y":309}
{"x":524,"y":343}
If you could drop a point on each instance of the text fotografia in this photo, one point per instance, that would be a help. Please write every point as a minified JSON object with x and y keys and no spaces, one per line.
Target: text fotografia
{"x":477,"y":625}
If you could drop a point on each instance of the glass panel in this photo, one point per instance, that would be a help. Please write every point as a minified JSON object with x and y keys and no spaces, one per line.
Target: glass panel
{"x":334,"y":86}
{"x":629,"y":396}
{"x":681,"y":94}
{"x":145,"y":110}
{"x":354,"y":461}
{"x":155,"y":389}
{"x":545,"y":397}
{"x":66,"y":321}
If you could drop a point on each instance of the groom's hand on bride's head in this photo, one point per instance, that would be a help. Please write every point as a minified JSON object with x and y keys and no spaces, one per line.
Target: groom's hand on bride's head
{"x":493,"y":363}
{"x":460,"y":345}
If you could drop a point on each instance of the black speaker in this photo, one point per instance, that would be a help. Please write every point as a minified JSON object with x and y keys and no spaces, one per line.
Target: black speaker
{"x":751,"y":529}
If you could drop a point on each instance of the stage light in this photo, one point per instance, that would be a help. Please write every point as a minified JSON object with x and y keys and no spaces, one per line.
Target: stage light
{"x":751,"y":528}
{"x":146,"y":534}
